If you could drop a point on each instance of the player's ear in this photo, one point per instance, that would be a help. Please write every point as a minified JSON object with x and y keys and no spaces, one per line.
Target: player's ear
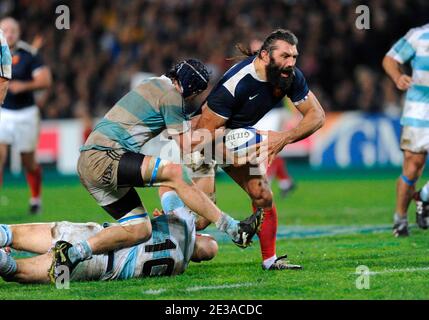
{"x":265,"y":56}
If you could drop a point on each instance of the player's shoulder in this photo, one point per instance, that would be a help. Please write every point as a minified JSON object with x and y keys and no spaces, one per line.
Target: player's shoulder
{"x":26,"y":48}
{"x":418,"y":33}
{"x":160,"y":87}
{"x":240,"y":76}
{"x":299,"y":74}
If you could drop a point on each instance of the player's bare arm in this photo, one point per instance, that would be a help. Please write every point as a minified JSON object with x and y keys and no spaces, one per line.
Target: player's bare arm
{"x":393,"y":69}
{"x":313,"y":119}
{"x":210,"y":121}
{"x":42,"y":79}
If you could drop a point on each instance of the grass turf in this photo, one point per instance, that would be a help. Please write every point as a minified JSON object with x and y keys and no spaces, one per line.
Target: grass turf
{"x":329,"y":262}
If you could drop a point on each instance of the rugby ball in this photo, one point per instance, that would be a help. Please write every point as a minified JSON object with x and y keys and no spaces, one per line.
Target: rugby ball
{"x":239,"y":140}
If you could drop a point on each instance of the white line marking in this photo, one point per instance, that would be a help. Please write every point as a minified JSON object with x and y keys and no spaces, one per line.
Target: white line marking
{"x":226,"y":286}
{"x":159,"y":291}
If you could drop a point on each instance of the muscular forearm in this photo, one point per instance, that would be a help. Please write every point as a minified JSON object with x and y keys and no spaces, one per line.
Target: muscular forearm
{"x":310,"y":123}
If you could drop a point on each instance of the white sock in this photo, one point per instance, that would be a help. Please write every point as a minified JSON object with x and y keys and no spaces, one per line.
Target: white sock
{"x":424,"y":193}
{"x":35,"y":201}
{"x":399,"y":219}
{"x":268,"y":262}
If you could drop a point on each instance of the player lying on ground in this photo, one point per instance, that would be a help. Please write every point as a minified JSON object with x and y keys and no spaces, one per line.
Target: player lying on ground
{"x":173,"y":244}
{"x":111,"y":165}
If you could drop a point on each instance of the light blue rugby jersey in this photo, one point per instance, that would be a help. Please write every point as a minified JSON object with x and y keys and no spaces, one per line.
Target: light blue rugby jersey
{"x":5,"y":58}
{"x":140,"y":115}
{"x":414,"y":48}
{"x":168,"y":252}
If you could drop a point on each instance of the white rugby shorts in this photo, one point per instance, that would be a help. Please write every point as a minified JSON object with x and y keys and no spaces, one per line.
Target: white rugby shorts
{"x":415,"y":139}
{"x":20,"y":128}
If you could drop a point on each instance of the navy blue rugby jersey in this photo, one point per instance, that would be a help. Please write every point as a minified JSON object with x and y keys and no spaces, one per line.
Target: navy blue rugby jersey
{"x":24,"y":62}
{"x":243,"y":98}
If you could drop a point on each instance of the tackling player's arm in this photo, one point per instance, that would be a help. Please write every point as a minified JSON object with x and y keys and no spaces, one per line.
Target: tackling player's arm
{"x":205,"y":128}
{"x":313,"y":119}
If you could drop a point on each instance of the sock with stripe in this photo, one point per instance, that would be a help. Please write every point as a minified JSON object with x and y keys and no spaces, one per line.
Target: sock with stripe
{"x":228,"y":225}
{"x":80,"y":252}
{"x":8,"y":265}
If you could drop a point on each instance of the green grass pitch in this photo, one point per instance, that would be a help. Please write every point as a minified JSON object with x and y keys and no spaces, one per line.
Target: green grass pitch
{"x":331,"y":224}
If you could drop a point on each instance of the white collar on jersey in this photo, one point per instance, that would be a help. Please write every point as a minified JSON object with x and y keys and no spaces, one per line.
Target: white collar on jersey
{"x":252,"y":71}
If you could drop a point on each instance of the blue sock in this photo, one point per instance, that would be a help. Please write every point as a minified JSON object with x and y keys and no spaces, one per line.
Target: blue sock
{"x":229,"y":225}
{"x":5,"y":235}
{"x":170,"y":201}
{"x":8,"y":265}
{"x":80,"y":251}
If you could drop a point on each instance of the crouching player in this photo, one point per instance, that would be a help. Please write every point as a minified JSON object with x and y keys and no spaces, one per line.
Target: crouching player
{"x":173,"y":244}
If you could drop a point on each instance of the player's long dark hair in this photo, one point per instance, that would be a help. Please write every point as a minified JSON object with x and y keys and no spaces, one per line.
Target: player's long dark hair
{"x":268,"y":44}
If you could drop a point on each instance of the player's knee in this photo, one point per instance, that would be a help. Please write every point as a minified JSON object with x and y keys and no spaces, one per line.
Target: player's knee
{"x":261,"y":195}
{"x":413,"y":167}
{"x":172,"y":171}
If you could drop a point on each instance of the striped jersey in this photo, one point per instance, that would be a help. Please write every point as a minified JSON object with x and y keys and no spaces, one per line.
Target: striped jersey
{"x":414,"y":48}
{"x":140,"y":115}
{"x":168,"y":251}
{"x":5,"y":58}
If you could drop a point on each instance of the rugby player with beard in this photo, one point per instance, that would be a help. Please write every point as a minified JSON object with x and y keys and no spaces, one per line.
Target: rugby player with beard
{"x":245,"y":93}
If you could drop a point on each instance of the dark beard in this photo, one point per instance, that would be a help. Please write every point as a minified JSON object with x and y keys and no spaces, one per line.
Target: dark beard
{"x":274,"y":76}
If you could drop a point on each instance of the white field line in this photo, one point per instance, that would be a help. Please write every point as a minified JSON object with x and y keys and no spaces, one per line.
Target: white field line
{"x":373,"y":273}
{"x":158,"y":291}
{"x":226,"y":286}
{"x":199,"y":288}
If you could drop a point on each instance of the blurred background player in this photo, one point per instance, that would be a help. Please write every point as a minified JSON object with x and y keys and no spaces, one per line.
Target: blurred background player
{"x":244,"y":94}
{"x":411,"y":48}
{"x":274,"y":120}
{"x":5,"y":69}
{"x":20,"y":114}
{"x":174,"y":243}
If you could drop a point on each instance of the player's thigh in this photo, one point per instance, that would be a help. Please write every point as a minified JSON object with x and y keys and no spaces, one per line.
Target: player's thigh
{"x":157,"y":172}
{"x":110,"y":177}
